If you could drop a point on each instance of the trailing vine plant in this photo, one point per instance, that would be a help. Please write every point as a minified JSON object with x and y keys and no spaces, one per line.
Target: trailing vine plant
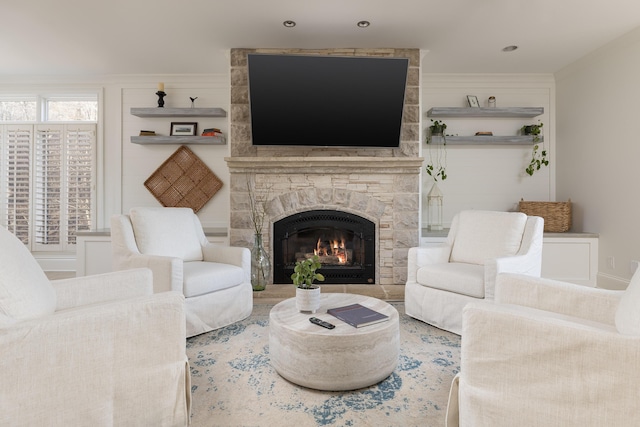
{"x":437,"y":166}
{"x":538,"y":155}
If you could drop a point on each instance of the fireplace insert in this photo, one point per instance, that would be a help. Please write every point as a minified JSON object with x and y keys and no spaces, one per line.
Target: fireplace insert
{"x":344,"y":243}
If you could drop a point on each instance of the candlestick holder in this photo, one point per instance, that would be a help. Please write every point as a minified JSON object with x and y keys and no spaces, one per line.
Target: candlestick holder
{"x":161,"y":94}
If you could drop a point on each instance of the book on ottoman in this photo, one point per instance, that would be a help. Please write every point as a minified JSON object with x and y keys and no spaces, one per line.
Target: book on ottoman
{"x":357,"y":315}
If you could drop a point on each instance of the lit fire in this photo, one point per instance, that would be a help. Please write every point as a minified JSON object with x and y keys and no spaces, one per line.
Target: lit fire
{"x":336,"y":249}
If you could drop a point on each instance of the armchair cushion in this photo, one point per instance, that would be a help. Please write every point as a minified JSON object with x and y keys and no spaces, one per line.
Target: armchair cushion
{"x":458,"y":277}
{"x":166,"y":232}
{"x":499,"y":232}
{"x":628,"y":314}
{"x":25,"y":291}
{"x":205,"y":277}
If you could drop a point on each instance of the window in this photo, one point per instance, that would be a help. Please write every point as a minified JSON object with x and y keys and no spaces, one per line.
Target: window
{"x":47,"y":172}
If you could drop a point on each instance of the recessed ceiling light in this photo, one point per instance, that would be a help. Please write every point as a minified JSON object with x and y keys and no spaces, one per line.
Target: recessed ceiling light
{"x":289,"y":24}
{"x":509,"y":48}
{"x":363,"y":24}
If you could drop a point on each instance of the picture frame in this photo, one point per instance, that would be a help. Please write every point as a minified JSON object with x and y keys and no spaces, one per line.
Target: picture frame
{"x":183,"y":128}
{"x":473,"y":101}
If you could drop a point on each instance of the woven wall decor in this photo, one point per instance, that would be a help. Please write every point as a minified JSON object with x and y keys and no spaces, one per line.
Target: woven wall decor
{"x":183,"y":180}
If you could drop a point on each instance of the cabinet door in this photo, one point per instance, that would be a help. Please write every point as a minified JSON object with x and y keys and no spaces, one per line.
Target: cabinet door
{"x":570,"y":260}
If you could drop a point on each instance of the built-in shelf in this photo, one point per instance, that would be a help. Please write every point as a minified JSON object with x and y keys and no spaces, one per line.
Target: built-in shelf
{"x":178,"y":112}
{"x":193,"y":140}
{"x":518,"y":112}
{"x":485,"y":140}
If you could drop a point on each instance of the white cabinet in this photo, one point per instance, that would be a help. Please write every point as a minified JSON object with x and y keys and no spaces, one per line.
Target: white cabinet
{"x":570,"y":257}
{"x":93,"y":249}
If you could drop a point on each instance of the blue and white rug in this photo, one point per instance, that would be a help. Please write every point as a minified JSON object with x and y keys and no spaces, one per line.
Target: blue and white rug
{"x":234,"y":385}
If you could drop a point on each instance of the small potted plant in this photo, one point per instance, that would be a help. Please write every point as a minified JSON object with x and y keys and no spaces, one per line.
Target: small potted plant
{"x":307,"y":294}
{"x":437,"y":166}
{"x":538,"y":154}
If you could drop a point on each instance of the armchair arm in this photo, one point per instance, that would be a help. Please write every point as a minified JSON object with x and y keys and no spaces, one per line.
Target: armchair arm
{"x":102,"y":287}
{"x":594,"y":304}
{"x":421,"y":256}
{"x":522,"y":264}
{"x":520,"y":366}
{"x":87,"y":366}
{"x":167,"y":271}
{"x":233,"y":255}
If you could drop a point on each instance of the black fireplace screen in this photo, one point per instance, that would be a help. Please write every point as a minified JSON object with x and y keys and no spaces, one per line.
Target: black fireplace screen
{"x":344,"y":243}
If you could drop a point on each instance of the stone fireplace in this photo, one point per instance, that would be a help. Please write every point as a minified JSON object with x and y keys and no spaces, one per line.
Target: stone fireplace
{"x":379,"y":185}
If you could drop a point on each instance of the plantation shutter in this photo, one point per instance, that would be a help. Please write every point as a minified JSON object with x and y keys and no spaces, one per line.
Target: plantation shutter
{"x":80,"y":144}
{"x":15,"y":141}
{"x":48,"y":174}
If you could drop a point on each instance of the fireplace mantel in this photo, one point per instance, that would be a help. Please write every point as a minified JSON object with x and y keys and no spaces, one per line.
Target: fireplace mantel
{"x":331,"y":164}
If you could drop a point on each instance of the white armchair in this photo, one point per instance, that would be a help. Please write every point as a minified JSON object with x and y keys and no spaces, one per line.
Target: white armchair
{"x":441,"y":279}
{"x":214,"y":279}
{"x":549,"y":353}
{"x":99,"y":350}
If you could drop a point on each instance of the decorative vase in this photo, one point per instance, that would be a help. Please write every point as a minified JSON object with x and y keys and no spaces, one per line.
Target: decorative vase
{"x":260,"y":265}
{"x":308,"y":299}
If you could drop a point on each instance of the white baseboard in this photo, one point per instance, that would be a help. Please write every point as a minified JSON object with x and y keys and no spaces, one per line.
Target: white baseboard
{"x":606,"y":281}
{"x":56,"y":262}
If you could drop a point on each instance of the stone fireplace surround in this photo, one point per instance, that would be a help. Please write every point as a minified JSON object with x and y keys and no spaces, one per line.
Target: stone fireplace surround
{"x":379,"y":184}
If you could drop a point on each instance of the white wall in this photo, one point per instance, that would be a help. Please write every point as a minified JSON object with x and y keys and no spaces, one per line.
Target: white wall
{"x":140,"y":161}
{"x":492,"y":176}
{"x":598,"y":111}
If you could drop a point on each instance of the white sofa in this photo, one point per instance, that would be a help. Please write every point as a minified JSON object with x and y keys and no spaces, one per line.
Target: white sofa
{"x":98,"y":350}
{"x":215,"y":279}
{"x":549,"y":353}
{"x":441,"y":279}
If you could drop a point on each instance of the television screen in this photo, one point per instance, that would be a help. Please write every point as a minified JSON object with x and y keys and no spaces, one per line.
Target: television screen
{"x":326,"y":100}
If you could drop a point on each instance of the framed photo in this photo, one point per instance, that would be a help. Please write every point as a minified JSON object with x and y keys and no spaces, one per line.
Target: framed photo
{"x":183,"y":129}
{"x":473,"y":101}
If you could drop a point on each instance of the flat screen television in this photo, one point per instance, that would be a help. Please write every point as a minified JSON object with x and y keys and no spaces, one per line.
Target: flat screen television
{"x":302,"y":100}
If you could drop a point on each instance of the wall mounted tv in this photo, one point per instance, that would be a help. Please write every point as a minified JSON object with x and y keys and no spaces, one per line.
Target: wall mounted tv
{"x":302,"y":100}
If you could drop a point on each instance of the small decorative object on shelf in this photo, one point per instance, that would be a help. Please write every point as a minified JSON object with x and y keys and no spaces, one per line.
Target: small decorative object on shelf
{"x":491,"y":102}
{"x":473,"y":101}
{"x":161,"y":94}
{"x":193,"y":102}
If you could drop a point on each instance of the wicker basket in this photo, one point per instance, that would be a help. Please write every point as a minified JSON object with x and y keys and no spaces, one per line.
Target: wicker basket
{"x":557,"y":215}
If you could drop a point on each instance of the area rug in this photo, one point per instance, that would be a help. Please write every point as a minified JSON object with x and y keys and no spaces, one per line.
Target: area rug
{"x":234,"y":385}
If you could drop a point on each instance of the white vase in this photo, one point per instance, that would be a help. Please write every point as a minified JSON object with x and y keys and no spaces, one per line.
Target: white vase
{"x":308,"y":299}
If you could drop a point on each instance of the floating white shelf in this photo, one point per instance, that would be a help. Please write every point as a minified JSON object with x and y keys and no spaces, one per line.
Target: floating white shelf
{"x":192,"y":140}
{"x":178,"y":112}
{"x":485,"y":140}
{"x":518,"y":112}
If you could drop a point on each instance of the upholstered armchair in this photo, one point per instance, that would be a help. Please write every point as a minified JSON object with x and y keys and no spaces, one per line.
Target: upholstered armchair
{"x":214,"y":279}
{"x":99,"y":350}
{"x":549,"y":353}
{"x":441,"y":279}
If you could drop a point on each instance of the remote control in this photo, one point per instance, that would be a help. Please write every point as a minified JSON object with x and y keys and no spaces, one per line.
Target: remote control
{"x":322,"y":323}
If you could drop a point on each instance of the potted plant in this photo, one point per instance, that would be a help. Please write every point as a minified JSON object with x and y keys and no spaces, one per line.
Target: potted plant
{"x":304,"y":274}
{"x":538,"y":154}
{"x":437,"y":166}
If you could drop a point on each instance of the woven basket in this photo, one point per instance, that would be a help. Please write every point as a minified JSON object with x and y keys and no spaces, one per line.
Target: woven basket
{"x":557,"y":215}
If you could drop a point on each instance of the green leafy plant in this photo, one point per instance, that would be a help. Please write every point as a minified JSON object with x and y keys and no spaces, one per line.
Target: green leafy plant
{"x":538,"y":154}
{"x":437,"y":166}
{"x":304,"y":273}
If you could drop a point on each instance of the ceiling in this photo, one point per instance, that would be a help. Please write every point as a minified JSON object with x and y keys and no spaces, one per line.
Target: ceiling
{"x":92,"y":37}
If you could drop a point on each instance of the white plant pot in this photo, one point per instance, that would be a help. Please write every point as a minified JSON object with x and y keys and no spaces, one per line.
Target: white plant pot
{"x":308,"y":299}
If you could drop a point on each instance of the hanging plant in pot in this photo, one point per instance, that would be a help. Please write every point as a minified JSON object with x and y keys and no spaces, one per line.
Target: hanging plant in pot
{"x":437,"y":165}
{"x":538,"y":154}
{"x":307,"y":294}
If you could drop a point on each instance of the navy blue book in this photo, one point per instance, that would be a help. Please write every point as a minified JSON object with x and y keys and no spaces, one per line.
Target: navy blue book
{"x":357,"y":315}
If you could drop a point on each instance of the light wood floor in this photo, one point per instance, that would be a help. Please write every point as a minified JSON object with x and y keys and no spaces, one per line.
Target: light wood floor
{"x":276,"y":293}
